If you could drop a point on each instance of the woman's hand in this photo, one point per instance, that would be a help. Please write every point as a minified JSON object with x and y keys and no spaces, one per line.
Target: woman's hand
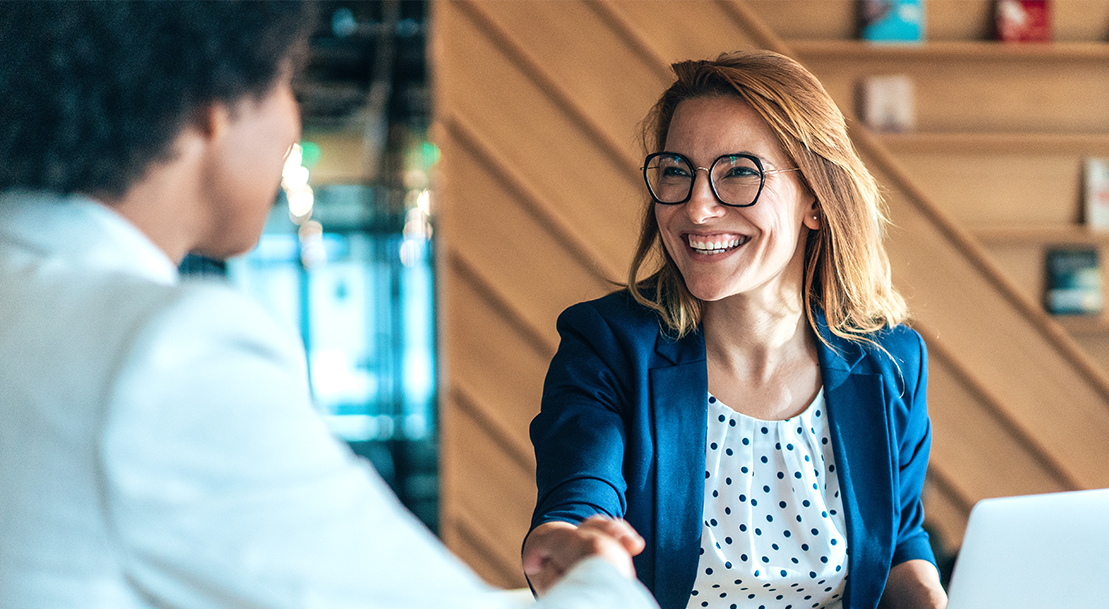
{"x":914,"y":584}
{"x":553,"y":548}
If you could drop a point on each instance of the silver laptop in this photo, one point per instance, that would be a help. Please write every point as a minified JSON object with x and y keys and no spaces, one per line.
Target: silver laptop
{"x":1035,"y":552}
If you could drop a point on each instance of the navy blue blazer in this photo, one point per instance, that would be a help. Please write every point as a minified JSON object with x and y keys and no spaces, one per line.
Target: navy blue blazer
{"x":621,"y":432}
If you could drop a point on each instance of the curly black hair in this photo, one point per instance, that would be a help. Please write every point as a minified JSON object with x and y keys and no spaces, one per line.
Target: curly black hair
{"x":92,"y":94}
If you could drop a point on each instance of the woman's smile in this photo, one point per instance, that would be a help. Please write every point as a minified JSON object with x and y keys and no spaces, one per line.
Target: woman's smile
{"x":713,"y":245}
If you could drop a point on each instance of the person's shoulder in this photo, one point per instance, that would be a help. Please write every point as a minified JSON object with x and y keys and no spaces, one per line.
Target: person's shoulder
{"x":901,"y":336}
{"x":619,"y":303}
{"x":218,"y":306}
{"x":891,"y":348}
{"x":207,"y":299}
{"x":618,"y":310}
{"x":890,"y":339}
{"x":202,"y":315}
{"x":215,"y":295}
{"x":899,"y":350}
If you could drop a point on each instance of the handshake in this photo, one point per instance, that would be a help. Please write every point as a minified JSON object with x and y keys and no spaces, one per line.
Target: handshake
{"x":553,"y":548}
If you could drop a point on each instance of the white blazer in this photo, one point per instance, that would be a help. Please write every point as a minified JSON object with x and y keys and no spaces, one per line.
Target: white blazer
{"x":158,"y":447}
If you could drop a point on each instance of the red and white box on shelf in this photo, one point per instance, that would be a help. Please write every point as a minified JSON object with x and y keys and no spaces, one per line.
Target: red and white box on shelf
{"x":1023,"y":20}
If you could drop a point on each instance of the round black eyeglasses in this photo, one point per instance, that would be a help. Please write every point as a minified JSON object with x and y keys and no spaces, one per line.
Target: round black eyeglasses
{"x":736,"y":179}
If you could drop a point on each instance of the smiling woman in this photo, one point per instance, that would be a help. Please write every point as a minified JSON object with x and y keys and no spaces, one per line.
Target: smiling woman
{"x":754,"y":406}
{"x":847,"y":272}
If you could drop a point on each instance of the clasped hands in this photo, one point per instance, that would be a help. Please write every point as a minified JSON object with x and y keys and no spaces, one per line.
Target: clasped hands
{"x":553,"y":548}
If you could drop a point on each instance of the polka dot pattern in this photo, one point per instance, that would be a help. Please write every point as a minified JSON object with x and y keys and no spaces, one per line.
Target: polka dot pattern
{"x":773,"y":535}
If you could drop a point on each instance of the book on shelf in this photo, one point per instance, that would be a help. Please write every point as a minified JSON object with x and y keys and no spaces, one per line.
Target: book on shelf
{"x":887,"y":103}
{"x":892,"y":21}
{"x":1073,"y":281}
{"x":1023,"y":20}
{"x":1096,"y":192}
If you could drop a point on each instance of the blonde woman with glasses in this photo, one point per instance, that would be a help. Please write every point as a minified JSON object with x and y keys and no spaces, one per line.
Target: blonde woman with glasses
{"x":751,"y":403}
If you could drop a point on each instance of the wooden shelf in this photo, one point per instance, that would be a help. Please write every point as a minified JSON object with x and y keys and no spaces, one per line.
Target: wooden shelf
{"x":1047,"y":236}
{"x":1083,"y":324}
{"x":1039,"y":236}
{"x":1085,"y":144}
{"x":953,"y":50}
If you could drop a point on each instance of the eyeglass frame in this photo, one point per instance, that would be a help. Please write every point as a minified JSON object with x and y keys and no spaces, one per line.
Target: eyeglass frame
{"x":708,"y":170}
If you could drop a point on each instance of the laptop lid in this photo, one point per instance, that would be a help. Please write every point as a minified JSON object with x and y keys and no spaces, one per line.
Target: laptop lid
{"x":1035,"y":552}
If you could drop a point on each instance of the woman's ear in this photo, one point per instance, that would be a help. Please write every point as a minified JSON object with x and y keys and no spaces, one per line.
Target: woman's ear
{"x":813,"y":219}
{"x":212,"y":120}
{"x":203,"y":133}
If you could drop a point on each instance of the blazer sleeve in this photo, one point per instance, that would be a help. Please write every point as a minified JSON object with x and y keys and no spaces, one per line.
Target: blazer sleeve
{"x":914,"y":434}
{"x":225,"y":489}
{"x":579,"y":434}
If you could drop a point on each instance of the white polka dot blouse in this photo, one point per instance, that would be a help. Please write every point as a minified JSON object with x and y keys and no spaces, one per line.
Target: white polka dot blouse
{"x":774,"y":531}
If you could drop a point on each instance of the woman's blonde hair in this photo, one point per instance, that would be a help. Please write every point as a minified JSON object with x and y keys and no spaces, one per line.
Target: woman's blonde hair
{"x":847,"y":271}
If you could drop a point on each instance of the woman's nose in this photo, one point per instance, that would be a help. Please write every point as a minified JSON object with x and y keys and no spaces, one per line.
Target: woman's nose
{"x":703,"y":204}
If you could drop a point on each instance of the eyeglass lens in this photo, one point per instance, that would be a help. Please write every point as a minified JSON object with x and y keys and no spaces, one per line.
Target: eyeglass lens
{"x":735,"y":179}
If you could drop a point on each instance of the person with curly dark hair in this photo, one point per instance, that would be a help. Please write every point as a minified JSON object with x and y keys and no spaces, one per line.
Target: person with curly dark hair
{"x":158,"y":445}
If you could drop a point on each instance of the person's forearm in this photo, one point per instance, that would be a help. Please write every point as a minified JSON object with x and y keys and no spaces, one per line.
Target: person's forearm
{"x":914,"y":584}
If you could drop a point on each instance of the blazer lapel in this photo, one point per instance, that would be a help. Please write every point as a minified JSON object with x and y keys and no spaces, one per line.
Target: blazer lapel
{"x":860,"y":440}
{"x":679,"y":404}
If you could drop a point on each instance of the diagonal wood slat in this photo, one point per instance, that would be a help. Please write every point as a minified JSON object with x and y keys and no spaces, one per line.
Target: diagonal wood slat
{"x":527,"y":196}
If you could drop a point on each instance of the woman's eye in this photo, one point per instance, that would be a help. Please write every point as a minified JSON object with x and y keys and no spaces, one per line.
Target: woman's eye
{"x":742,"y":172}
{"x":674,"y":172}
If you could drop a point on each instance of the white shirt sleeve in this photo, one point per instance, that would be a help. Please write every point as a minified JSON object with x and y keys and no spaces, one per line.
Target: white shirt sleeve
{"x":593,"y":583}
{"x":225,"y":489}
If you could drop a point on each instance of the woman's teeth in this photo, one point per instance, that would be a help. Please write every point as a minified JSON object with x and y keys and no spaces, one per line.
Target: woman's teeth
{"x":717,"y":245}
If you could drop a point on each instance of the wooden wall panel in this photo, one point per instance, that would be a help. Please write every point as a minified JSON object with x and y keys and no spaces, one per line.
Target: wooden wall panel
{"x":1052,"y":400}
{"x":539,"y":196}
{"x":684,"y":29}
{"x":487,"y":516}
{"x":1025,"y":266}
{"x":499,"y":102}
{"x":982,"y":454}
{"x":954,"y":95}
{"x":544,"y":274}
{"x":507,"y":351}
{"x":611,"y":84}
{"x":988,"y":189}
{"x":539,"y":206}
{"x":1001,"y":180}
{"x":1096,"y":342}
